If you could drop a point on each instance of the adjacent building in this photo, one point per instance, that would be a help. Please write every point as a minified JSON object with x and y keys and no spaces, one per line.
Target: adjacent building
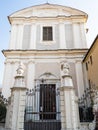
{"x":90,"y":63}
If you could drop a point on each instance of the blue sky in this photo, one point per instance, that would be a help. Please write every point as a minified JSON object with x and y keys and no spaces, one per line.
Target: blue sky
{"x":8,"y":7}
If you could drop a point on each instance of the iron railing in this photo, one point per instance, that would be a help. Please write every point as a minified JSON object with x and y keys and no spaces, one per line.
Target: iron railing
{"x":42,"y":108}
{"x":86,"y":105}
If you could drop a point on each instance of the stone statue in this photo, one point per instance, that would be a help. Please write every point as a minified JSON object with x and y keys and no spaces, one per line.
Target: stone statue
{"x":19,"y":78}
{"x":65,"y":68}
{"x":20,"y":70}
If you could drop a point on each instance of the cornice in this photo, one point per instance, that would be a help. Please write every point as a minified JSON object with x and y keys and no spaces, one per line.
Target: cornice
{"x":35,"y":53}
{"x":73,"y":18}
{"x":48,"y":6}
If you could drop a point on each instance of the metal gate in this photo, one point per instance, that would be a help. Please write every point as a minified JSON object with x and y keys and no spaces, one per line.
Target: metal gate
{"x":43,"y":108}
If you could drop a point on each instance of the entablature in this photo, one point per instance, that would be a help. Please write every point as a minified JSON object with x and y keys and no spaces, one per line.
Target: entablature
{"x":59,"y":52}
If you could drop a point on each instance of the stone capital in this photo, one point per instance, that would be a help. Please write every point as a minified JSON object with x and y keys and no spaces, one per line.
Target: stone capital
{"x":31,"y":62}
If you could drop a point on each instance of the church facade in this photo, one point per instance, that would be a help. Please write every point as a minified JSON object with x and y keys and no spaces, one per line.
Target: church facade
{"x":41,"y":38}
{"x":48,"y":43}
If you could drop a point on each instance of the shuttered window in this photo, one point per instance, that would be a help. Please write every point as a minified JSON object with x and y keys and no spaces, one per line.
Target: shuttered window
{"x":47,"y":34}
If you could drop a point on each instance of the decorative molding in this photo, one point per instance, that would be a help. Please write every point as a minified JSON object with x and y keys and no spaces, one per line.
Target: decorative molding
{"x":11,"y":62}
{"x":60,"y":52}
{"x":18,"y":88}
{"x":67,"y":88}
{"x":30,"y":62}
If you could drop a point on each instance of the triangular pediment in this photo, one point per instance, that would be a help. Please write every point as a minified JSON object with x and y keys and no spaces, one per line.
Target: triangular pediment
{"x":47,"y":75}
{"x":48,"y":10}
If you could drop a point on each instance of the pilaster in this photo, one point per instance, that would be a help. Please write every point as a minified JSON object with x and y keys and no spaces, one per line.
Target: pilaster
{"x":83,"y":35}
{"x":31,"y":74}
{"x":7,"y":79}
{"x":79,"y":77}
{"x":33,"y":36}
{"x":76,"y":36}
{"x":69,"y":102}
{"x":62,"y":35}
{"x":62,"y":108}
{"x":16,"y":108}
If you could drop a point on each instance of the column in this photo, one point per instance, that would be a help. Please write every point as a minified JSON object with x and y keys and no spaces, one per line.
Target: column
{"x":79,"y":78}
{"x":31,"y":74}
{"x":62,"y":36}
{"x":33,"y":37}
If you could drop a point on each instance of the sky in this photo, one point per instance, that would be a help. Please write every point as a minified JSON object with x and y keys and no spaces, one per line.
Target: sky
{"x":8,"y":7}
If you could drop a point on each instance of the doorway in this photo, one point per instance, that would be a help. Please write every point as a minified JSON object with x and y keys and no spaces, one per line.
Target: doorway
{"x":47,"y":101}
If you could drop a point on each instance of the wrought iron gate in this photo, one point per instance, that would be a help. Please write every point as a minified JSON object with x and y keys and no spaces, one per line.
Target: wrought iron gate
{"x":42,"y":108}
{"x":86,"y":106}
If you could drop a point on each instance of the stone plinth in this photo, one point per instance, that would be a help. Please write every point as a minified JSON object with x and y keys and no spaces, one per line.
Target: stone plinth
{"x":16,"y":107}
{"x":69,"y":101}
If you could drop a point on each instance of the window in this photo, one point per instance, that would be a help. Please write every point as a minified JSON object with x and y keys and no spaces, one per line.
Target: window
{"x":91,"y":60}
{"x":86,"y":66}
{"x":89,"y":84}
{"x":47,"y":34}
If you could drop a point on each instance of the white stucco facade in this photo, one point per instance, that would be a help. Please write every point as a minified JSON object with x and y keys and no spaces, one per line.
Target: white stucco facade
{"x":27,"y":46}
{"x":44,"y":59}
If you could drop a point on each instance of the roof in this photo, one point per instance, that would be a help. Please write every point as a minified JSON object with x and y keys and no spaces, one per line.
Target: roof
{"x":93,"y":44}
